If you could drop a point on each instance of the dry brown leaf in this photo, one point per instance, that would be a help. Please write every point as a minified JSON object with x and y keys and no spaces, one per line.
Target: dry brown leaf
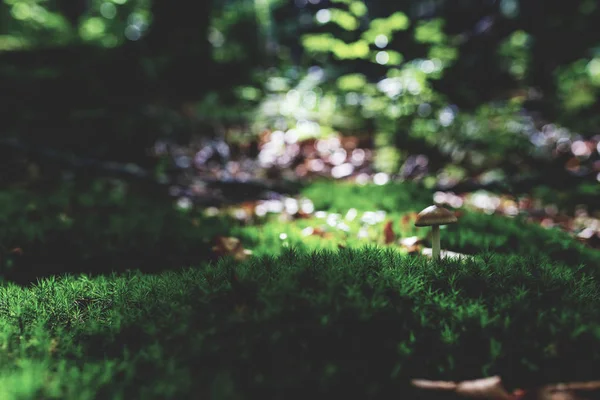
{"x":486,"y":388}
{"x":434,"y":385}
{"x":569,"y":391}
{"x":491,"y":389}
{"x":414,"y":249}
{"x":407,"y":218}
{"x":230,"y":246}
{"x":322,"y":233}
{"x":388,"y":233}
{"x":412,"y":244}
{"x":302,"y":215}
{"x":264,"y":137}
{"x":410,"y":241}
{"x":249,"y":207}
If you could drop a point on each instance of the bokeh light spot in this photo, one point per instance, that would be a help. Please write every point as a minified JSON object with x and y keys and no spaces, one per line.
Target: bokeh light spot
{"x":381,"y":178}
{"x":133,"y":32}
{"x":342,"y":170}
{"x":382,"y":57}
{"x":381,"y":41}
{"x":428,"y":66}
{"x":580,"y":149}
{"x":108,"y":10}
{"x":21,"y":11}
{"x":323,"y":16}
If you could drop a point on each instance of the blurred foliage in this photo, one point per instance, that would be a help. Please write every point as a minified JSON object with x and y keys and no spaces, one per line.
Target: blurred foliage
{"x":31,"y":24}
{"x":470,"y":88}
{"x":579,"y":84}
{"x":394,"y":76}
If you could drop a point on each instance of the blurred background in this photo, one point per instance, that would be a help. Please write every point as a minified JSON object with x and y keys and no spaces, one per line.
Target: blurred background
{"x":202,"y":101}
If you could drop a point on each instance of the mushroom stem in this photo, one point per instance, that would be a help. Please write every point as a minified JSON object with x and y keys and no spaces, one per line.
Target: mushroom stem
{"x":435,"y":239}
{"x":435,"y":216}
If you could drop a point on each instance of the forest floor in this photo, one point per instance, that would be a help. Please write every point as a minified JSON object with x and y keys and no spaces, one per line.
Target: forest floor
{"x":323,"y":293}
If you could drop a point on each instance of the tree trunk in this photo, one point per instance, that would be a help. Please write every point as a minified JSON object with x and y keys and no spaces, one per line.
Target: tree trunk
{"x":180,"y":31}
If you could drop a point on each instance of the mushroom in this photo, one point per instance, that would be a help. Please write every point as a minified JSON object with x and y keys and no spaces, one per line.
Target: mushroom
{"x":435,"y":216}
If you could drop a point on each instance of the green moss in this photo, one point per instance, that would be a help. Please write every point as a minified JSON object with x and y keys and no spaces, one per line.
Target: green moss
{"x":302,"y":318}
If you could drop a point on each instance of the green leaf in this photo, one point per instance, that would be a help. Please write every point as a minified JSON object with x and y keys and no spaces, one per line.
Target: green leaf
{"x":398,"y":21}
{"x":445,"y":54}
{"x":351,"y":82}
{"x":386,"y":26}
{"x":358,"y":49}
{"x":319,"y":42}
{"x":593,"y":70}
{"x":430,"y":32}
{"x":358,"y":8}
{"x":344,"y":19}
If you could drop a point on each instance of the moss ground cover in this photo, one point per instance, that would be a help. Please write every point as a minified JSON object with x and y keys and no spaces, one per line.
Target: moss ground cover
{"x":98,"y":228}
{"x":302,"y":317}
{"x":476,"y":232}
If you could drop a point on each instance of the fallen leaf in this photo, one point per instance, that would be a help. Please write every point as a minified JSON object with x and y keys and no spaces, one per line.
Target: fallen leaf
{"x":349,"y":142}
{"x":410,"y":241}
{"x":302,"y":215}
{"x":388,"y":233}
{"x":264,"y":137}
{"x":491,"y":389}
{"x":569,"y":391}
{"x":435,"y":385}
{"x":486,"y":388}
{"x":412,"y":244}
{"x":322,"y":233}
{"x":519,"y":394}
{"x":230,"y":246}
{"x":585,"y":234}
{"x":406,"y":218}
{"x":249,"y":207}
{"x":427,"y":251}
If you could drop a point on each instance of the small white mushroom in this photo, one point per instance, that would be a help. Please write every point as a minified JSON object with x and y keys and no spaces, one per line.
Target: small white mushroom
{"x":435,"y":216}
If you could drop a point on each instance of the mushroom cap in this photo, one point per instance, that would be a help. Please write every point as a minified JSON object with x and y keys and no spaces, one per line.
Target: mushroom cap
{"x":434,"y":215}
